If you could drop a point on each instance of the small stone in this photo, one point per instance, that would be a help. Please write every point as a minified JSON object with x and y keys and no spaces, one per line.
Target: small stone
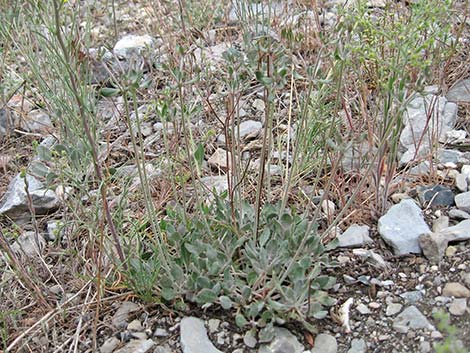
{"x":120,"y":317}
{"x":15,"y":204}
{"x":283,"y":341}
{"x":437,"y":195}
{"x":466,"y":278}
{"x":246,"y":129}
{"x":374,"y":305}
{"x":393,"y":309}
{"x":109,"y":345}
{"x":458,"y":307}
{"x":459,"y":92}
{"x":193,"y":337}
{"x":249,"y":339}
{"x":401,"y":227}
{"x":358,"y":346}
{"x":328,"y":207}
{"x":411,"y":318}
{"x":458,"y":214}
{"x":450,"y":251}
{"x":372,"y":257}
{"x":462,"y":201}
{"x":135,"y":325}
{"x":355,"y":236}
{"x":139,"y":335}
{"x":398,"y":197}
{"x":455,"y":289}
{"x":160,"y":332}
{"x":363,"y":309}
{"x":26,"y":244}
{"x":324,"y":343}
{"x":220,"y":159}
{"x":131,"y":45}
{"x":412,"y":296}
{"x":424,"y":347}
{"x":461,"y":182}
{"x":440,"y":223}
{"x":213,"y":325}
{"x":259,"y":105}
{"x":136,"y":346}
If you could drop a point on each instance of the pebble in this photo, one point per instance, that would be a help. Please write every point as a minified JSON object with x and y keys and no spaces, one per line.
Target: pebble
{"x":283,"y":341}
{"x":259,"y":105}
{"x":135,"y":325}
{"x":411,"y":318}
{"x":324,"y":343}
{"x":193,"y":337}
{"x":458,"y":306}
{"x":461,"y":182}
{"x":328,"y":207}
{"x":136,"y":346}
{"x":160,"y":332}
{"x":466,"y":278}
{"x":363,"y":309}
{"x":450,"y":251}
{"x":455,"y":289}
{"x":120,"y":318}
{"x":462,"y":201}
{"x":249,"y":339}
{"x":354,"y":236}
{"x":412,"y":296}
{"x":109,"y":345}
{"x":425,"y":347}
{"x":358,"y":346}
{"x":393,"y":309}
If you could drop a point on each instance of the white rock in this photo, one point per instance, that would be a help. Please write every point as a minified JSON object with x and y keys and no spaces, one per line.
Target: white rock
{"x":132,"y":45}
{"x":355,"y":236}
{"x":193,"y":337}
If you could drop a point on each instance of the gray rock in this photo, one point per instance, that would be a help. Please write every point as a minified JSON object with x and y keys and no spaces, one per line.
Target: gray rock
{"x":136,"y":346}
{"x":283,"y":341}
{"x":371,"y":257}
{"x":220,"y":159}
{"x":324,"y":343}
{"x":109,"y":345}
{"x":435,"y":244}
{"x":54,"y":230}
{"x":218,"y":184}
{"x":437,"y":195}
{"x":424,"y":347}
{"x":26,"y":244}
{"x":412,"y":296}
{"x":440,"y":223}
{"x":122,"y":314}
{"x":37,"y":121}
{"x":422,"y":168}
{"x":466,"y":278}
{"x":402,"y":226}
{"x":135,"y":325}
{"x":163,"y":349}
{"x":425,"y":119}
{"x":160,"y":332}
{"x":446,"y":156}
{"x":393,"y":309}
{"x":458,"y":307}
{"x":7,"y":122}
{"x":14,"y":203}
{"x":355,"y":236}
{"x":463,"y":201}
{"x":363,"y":309}
{"x":411,"y":318}
{"x":458,"y":214}
{"x":193,"y":337}
{"x":358,"y":346}
{"x":461,"y":182}
{"x":455,"y":289}
{"x":460,"y":92}
{"x":466,"y":171}
{"x":246,"y":129}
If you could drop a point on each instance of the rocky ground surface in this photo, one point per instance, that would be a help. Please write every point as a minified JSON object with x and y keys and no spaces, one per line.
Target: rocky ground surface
{"x":394,"y":274}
